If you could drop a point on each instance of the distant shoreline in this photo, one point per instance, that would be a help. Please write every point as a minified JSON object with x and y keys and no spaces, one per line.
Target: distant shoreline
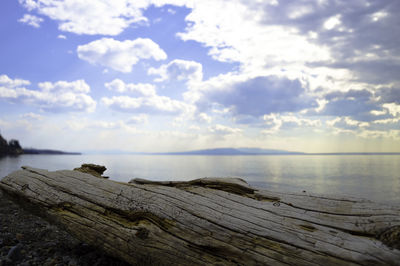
{"x":257,"y":152}
{"x":355,"y":153}
{"x":48,"y":152}
{"x":13,"y":148}
{"x":273,"y":154}
{"x":240,"y":154}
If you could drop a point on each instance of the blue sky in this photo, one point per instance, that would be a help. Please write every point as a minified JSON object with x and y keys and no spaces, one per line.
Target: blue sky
{"x":175,"y":75}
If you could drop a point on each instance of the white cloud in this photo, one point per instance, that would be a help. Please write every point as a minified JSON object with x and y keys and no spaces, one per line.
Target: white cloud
{"x":60,"y":36}
{"x":347,"y":124}
{"x":106,"y":125}
{"x":230,"y":35}
{"x":393,"y":109}
{"x":378,"y":112}
{"x":262,"y":35}
{"x":224,"y":130}
{"x":31,"y":20}
{"x":147,"y":105}
{"x":120,"y":55}
{"x":148,"y":102}
{"x":29,"y":4}
{"x":178,"y":70}
{"x":194,"y":128}
{"x":378,"y":16}
{"x":233,"y":37}
{"x":171,"y":11}
{"x":257,"y":34}
{"x":332,"y":22}
{"x":12,"y":83}
{"x":203,"y":117}
{"x":378,"y":134}
{"x":295,"y":121}
{"x":32,"y":116}
{"x":307,"y":40}
{"x":275,"y":123}
{"x":80,"y":124}
{"x":297,"y":12}
{"x":79,"y":86}
{"x":137,"y":119}
{"x":8,"y":93}
{"x":144,"y":89}
{"x":90,"y":16}
{"x":57,"y":97}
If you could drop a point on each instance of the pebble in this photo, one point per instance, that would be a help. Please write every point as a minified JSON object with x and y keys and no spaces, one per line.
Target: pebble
{"x":73,"y":262}
{"x":50,"y":262}
{"x":19,"y":236}
{"x":66,"y":259}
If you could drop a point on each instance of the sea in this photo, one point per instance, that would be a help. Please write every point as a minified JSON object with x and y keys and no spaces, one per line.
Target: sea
{"x":372,"y":177}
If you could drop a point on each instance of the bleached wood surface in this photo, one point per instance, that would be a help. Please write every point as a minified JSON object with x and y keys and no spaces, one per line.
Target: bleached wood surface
{"x":210,"y":221}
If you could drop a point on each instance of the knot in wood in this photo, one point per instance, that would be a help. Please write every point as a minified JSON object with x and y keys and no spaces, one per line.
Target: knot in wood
{"x":391,"y":237}
{"x":142,"y":233}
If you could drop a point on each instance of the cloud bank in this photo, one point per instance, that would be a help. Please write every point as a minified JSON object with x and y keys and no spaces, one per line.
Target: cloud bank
{"x":61,"y":96}
{"x":147,"y":101}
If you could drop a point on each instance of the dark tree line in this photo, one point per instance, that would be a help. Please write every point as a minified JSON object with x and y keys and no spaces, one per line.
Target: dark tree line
{"x":11,"y":147}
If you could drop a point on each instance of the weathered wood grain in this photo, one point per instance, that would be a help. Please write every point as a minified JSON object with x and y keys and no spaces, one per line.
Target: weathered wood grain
{"x":210,"y":221}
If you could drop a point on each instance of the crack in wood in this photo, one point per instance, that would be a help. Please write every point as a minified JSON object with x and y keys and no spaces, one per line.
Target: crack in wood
{"x":232,"y":185}
{"x":307,"y":227}
{"x":136,"y":217}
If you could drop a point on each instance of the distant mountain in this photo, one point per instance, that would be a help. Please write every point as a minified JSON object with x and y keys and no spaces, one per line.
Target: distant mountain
{"x":232,"y":151}
{"x":267,"y":151}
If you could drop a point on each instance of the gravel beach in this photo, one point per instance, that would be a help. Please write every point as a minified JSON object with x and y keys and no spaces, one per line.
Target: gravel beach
{"x":26,"y":239}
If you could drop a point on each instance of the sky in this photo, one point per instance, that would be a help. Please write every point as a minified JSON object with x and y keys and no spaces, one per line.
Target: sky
{"x":178,"y":75}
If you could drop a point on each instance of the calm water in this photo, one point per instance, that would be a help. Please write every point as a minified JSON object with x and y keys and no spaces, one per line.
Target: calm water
{"x":376,"y":177}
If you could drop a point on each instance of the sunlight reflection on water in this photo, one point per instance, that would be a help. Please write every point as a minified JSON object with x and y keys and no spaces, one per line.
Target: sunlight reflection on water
{"x":375,"y":177}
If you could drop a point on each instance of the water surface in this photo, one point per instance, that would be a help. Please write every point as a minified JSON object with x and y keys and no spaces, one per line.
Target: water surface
{"x":375,"y":177}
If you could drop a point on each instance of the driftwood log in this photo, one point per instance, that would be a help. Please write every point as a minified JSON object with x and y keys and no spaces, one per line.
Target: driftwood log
{"x":210,"y":221}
